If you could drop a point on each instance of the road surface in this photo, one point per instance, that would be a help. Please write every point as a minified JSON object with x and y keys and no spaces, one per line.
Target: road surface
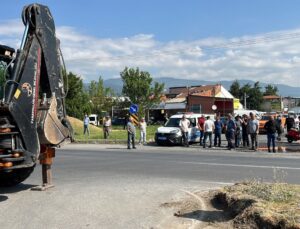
{"x":108,"y":186}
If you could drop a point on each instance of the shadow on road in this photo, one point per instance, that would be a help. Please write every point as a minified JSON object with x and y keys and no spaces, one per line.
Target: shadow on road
{"x":3,"y":198}
{"x":207,"y":216}
{"x":17,"y":188}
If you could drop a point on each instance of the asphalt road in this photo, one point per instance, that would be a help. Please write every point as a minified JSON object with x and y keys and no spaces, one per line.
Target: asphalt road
{"x":108,"y":186}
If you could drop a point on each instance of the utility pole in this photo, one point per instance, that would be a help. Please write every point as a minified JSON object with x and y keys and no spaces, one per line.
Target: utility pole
{"x":245,"y":100}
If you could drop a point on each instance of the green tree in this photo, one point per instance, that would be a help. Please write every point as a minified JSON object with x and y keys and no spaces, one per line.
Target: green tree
{"x":77,"y":100}
{"x":137,"y":85}
{"x":252,"y":94}
{"x":101,"y":97}
{"x":271,"y":90}
{"x":255,"y":98}
{"x":235,"y":89}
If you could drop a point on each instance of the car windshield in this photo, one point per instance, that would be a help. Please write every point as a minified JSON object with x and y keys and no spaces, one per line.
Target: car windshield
{"x":265,"y":117}
{"x":174,"y":122}
{"x":92,"y":118}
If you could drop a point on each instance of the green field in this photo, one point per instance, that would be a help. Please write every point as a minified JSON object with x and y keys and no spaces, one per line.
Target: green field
{"x":117,"y":133}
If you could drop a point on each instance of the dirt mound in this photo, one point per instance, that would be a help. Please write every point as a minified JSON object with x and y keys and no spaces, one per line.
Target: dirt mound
{"x":77,"y":125}
{"x":245,"y":205}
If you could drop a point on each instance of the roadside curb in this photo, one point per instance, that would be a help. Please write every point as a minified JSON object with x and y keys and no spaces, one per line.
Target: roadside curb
{"x":106,"y":141}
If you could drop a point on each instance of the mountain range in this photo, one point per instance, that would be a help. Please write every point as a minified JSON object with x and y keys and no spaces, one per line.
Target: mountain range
{"x":284,"y":90}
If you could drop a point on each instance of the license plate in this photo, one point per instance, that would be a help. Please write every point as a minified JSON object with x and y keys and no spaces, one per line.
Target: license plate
{"x":162,"y":138}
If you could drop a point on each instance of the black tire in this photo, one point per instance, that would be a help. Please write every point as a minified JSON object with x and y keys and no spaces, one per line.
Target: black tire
{"x":290,"y":140}
{"x":14,"y":177}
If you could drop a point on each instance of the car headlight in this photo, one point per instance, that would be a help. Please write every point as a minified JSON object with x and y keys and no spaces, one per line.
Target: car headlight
{"x":174,"y":131}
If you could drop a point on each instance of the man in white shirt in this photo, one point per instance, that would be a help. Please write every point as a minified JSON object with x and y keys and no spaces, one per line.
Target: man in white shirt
{"x":106,"y":127}
{"x":143,"y":126}
{"x":209,"y":128}
{"x":184,"y":126}
{"x":296,"y":122}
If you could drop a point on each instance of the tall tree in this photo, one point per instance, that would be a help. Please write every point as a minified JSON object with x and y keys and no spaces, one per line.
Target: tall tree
{"x":252,"y":95}
{"x":137,"y":85}
{"x":235,"y":89}
{"x":255,"y":99}
{"x":101,"y":97}
{"x":77,"y":101}
{"x":271,"y":90}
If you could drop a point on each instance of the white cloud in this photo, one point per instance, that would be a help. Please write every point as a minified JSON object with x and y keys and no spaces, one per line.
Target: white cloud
{"x":271,"y":58}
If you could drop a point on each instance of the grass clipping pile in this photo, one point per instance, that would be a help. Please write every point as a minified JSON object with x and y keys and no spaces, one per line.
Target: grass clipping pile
{"x":264,"y":205}
{"x":250,"y":204}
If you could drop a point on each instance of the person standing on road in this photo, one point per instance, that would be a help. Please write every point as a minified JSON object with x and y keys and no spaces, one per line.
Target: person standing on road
{"x":143,"y":126}
{"x":86,"y":122}
{"x":230,"y":132}
{"x":184,"y":126}
{"x":209,"y":127}
{"x":289,"y":122}
{"x":297,"y":122}
{"x":106,"y":127}
{"x":245,"y":131}
{"x":130,"y":134}
{"x":238,"y":131}
{"x":270,"y":127}
{"x":280,"y":129}
{"x":253,"y":128}
{"x":218,"y":131}
{"x":201,"y":121}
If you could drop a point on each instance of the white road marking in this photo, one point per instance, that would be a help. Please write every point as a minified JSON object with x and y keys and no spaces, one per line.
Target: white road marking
{"x":236,"y":165}
{"x":196,"y":223}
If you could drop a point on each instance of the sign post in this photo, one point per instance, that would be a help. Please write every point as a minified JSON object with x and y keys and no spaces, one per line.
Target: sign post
{"x":133,"y":109}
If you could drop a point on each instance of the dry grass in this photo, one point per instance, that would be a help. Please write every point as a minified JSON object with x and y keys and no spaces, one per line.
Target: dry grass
{"x":277,"y":203}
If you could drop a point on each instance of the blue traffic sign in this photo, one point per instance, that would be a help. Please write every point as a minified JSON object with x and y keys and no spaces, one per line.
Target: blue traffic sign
{"x":133,"y":109}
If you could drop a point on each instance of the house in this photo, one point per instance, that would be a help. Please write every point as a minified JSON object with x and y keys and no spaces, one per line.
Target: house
{"x":205,"y":99}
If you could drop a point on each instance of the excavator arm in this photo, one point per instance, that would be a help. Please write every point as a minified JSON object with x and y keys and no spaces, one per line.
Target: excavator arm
{"x":32,"y":111}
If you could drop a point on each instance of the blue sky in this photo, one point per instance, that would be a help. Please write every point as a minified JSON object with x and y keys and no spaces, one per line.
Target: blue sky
{"x":173,"y":38}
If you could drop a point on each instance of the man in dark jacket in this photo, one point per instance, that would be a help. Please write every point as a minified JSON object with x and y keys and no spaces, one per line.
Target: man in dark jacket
{"x":218,"y":131}
{"x":270,"y":127}
{"x":230,"y":132}
{"x":289,"y":122}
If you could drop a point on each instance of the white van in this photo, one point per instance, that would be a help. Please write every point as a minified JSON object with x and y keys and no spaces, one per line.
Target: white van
{"x":170,"y":133}
{"x":94,"y":119}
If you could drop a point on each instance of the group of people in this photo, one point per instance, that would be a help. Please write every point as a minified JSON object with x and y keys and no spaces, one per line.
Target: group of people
{"x":130,"y":127}
{"x":237,"y":131}
{"x":106,"y":126}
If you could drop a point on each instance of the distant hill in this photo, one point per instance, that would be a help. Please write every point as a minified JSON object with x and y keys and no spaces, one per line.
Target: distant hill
{"x":284,"y":90}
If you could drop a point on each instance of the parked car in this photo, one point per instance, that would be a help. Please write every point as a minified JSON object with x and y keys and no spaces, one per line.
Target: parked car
{"x":170,"y":133}
{"x":94,"y":119}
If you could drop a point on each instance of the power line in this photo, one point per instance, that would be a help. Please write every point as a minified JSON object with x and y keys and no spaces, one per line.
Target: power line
{"x":228,"y":45}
